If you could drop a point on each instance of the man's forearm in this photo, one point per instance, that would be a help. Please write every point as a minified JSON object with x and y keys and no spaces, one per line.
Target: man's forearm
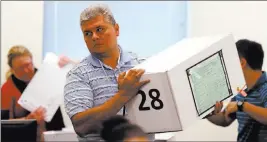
{"x":257,"y":113}
{"x":218,"y":119}
{"x":90,"y":121}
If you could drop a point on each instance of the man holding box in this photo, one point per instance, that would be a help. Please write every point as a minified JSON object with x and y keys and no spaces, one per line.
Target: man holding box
{"x":249,"y":107}
{"x":98,"y":87}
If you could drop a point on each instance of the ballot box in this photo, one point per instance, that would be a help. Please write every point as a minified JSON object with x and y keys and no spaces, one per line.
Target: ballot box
{"x":186,"y":80}
{"x":46,"y":89}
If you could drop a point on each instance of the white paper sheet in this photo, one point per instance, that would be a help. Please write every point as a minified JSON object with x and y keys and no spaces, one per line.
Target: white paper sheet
{"x":46,"y":88}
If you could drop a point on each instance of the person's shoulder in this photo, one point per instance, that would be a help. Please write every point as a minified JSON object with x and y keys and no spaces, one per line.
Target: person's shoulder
{"x":263,"y":90}
{"x":7,"y":92}
{"x":8,"y":89}
{"x":4,"y":87}
{"x":263,"y":86}
{"x":7,"y":85}
{"x":83,"y":65}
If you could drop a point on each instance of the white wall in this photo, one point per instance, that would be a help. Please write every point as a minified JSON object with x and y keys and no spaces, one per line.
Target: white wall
{"x":69,"y":41}
{"x":22,"y":23}
{"x":242,"y":18}
{"x":245,"y":19}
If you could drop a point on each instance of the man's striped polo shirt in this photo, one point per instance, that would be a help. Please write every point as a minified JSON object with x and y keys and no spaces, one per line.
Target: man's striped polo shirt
{"x":250,"y":129}
{"x":91,"y":83}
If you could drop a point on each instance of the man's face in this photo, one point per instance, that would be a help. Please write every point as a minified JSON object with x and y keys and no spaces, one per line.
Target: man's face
{"x":22,"y":68}
{"x":100,"y":36}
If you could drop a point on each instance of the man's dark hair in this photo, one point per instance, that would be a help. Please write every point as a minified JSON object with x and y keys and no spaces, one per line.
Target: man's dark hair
{"x":118,"y":128}
{"x":252,"y":52}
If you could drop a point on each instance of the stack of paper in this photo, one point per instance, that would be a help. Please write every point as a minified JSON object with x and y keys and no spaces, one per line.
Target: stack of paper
{"x":46,"y":88}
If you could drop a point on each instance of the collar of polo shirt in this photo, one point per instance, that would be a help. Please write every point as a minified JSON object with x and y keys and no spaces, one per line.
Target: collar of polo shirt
{"x":123,"y":58}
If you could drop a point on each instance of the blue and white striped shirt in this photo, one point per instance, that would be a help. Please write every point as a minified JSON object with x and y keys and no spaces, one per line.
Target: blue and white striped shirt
{"x":91,"y":83}
{"x":248,"y":128}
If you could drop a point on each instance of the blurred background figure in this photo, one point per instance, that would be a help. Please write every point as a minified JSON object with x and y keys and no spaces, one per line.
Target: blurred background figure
{"x":22,"y":70}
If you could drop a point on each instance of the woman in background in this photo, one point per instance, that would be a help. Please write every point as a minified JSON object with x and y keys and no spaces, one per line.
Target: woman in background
{"x":118,"y":128}
{"x":21,"y":72}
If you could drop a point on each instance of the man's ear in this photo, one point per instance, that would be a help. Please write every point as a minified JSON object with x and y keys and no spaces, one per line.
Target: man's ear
{"x":243,"y":62}
{"x":117,"y":29}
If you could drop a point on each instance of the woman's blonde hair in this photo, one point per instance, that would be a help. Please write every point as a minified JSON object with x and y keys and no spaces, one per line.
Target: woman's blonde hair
{"x":15,"y":51}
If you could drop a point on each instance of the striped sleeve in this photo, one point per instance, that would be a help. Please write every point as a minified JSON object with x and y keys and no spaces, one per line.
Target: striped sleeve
{"x":264,"y":96}
{"x":265,"y":101}
{"x":233,"y":99}
{"x":78,"y":95}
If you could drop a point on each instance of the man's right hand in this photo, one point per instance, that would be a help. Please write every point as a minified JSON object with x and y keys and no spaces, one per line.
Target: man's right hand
{"x":130,"y":83}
